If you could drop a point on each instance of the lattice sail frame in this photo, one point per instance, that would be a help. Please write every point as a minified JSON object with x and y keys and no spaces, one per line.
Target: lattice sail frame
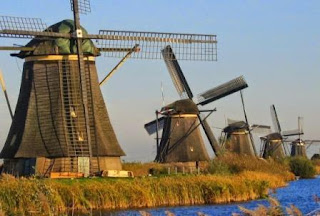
{"x":20,"y":24}
{"x":222,"y":90}
{"x":84,"y":6}
{"x":197,"y":47}
{"x":194,"y":47}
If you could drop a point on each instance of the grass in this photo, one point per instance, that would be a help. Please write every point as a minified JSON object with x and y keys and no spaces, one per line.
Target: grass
{"x":235,"y":164}
{"x":229,"y":178}
{"x":23,"y":196}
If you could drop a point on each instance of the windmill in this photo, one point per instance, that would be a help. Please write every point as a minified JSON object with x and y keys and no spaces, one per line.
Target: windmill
{"x":273,"y":143}
{"x":61,"y":125}
{"x":181,"y":140}
{"x":238,"y":138}
{"x":238,"y":134}
{"x":299,"y":146}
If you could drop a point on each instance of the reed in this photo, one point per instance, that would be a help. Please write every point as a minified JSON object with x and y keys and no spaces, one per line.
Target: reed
{"x":39,"y":196}
{"x":230,"y":163}
{"x":274,"y":209}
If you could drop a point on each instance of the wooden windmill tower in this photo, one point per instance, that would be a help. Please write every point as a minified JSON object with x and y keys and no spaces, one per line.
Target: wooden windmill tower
{"x":299,"y":146}
{"x":61,"y":124}
{"x":181,"y":140}
{"x":238,"y":136}
{"x":272,"y":145}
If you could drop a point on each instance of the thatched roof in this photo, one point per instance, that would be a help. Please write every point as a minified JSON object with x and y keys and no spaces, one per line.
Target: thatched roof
{"x":185,"y":106}
{"x":274,"y":136}
{"x":237,"y":126}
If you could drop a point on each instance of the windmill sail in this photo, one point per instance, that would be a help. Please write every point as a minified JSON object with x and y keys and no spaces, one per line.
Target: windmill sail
{"x":195,"y":47}
{"x":262,"y":129}
{"x":152,"y":126}
{"x":275,"y":120}
{"x":84,"y":6}
{"x":176,"y":74}
{"x":223,"y":90}
{"x":3,"y":86}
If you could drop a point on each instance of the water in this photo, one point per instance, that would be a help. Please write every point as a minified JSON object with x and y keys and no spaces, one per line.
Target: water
{"x":299,"y":193}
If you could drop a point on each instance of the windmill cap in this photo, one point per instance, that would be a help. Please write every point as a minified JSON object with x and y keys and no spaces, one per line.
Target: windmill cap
{"x":236,"y":126}
{"x":274,"y":136}
{"x":185,"y":106}
{"x":60,"y":46}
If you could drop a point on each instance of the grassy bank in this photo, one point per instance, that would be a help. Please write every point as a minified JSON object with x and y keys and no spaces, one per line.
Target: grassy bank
{"x":25,"y":196}
{"x":227,"y":179}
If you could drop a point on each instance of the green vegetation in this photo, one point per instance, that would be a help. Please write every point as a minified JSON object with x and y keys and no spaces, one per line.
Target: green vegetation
{"x":26,"y":196}
{"x":229,"y":178}
{"x":302,"y":167}
{"x":235,"y":164}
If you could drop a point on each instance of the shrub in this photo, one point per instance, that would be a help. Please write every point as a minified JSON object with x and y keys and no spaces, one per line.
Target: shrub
{"x":302,"y":167}
{"x":219,"y":168}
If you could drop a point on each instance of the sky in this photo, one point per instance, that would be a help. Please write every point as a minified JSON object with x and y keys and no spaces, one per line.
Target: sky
{"x":274,"y":44}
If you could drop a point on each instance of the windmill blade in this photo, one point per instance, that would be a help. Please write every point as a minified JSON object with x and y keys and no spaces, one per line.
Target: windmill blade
{"x":84,"y":6}
{"x":295,"y":132}
{"x":152,"y":127}
{"x":312,"y":142}
{"x":212,"y":140}
{"x":262,"y":129}
{"x":275,"y":120}
{"x":21,"y":27}
{"x":3,"y":86}
{"x":176,"y":74}
{"x":246,"y":118}
{"x":207,"y":130}
{"x":197,"y":47}
{"x":292,"y":132}
{"x":223,"y":90}
{"x":231,"y":121}
{"x":300,"y":125}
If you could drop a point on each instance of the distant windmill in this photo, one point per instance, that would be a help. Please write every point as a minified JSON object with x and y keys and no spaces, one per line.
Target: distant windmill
{"x":238,"y":134}
{"x":299,"y":146}
{"x":273,"y":143}
{"x":181,"y":140}
{"x":61,"y":125}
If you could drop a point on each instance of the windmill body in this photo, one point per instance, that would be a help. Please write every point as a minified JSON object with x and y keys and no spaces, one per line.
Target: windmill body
{"x":48,"y":127}
{"x":273,"y":146}
{"x":237,"y":138}
{"x":273,"y":143}
{"x":298,"y":148}
{"x":181,"y":139}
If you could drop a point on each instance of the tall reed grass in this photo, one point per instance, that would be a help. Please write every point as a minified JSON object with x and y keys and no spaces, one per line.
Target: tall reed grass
{"x":45,"y":196}
{"x":229,"y":164}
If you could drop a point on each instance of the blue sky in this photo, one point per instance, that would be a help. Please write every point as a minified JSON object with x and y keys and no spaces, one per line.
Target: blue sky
{"x":274,"y":44}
